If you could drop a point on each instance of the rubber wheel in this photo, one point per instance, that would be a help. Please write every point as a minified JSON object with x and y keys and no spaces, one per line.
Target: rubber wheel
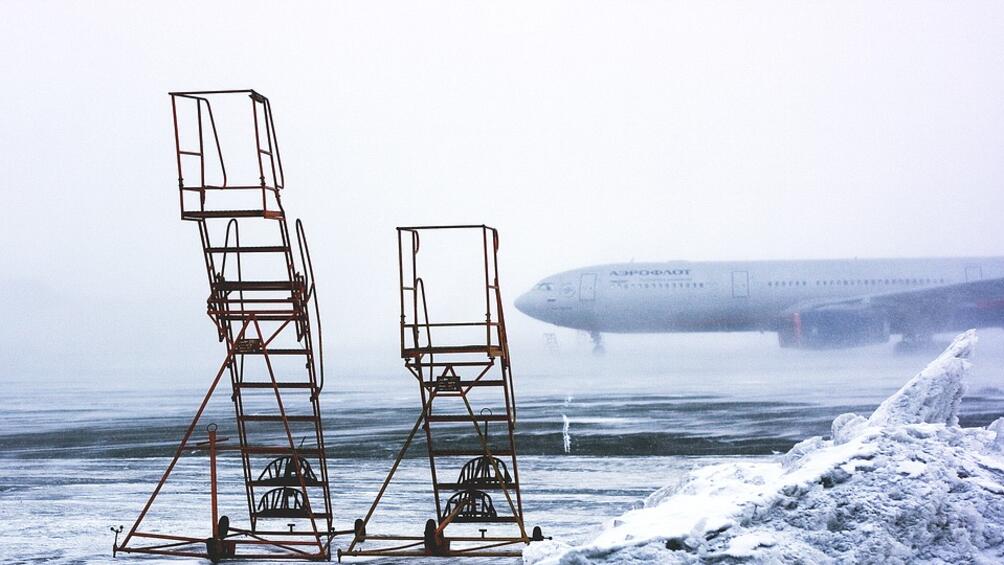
{"x":434,"y":542}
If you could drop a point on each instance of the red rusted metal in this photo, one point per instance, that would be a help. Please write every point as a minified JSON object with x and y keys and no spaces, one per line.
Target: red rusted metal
{"x":446,"y":371}
{"x":214,"y":502}
{"x":257,"y":318}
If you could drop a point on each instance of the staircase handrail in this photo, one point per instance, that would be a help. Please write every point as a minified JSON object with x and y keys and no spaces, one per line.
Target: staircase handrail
{"x":309,"y":295}
{"x":199,"y":100}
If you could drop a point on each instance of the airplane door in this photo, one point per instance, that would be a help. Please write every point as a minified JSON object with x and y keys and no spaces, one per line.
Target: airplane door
{"x":740,"y":284}
{"x":974,"y":273}
{"x":587,"y":287}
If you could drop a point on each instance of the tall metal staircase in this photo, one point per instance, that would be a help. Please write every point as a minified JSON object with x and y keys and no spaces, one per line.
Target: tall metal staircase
{"x":263,"y":303}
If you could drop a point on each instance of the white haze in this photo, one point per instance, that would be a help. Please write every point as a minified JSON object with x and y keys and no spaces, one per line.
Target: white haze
{"x":586,"y":132}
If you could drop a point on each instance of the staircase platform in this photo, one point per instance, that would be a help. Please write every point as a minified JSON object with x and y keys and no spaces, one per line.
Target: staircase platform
{"x":291,"y":513}
{"x":225,"y":214}
{"x":491,"y":351}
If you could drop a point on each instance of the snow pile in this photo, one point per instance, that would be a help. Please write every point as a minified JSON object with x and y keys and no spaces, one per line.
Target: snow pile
{"x":905,"y":485}
{"x":933,"y":396}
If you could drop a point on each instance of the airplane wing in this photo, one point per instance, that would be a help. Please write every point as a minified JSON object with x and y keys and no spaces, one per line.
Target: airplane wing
{"x":870,"y":318}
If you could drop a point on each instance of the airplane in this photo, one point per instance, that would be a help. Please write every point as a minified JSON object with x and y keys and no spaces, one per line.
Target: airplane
{"x":811,"y":304}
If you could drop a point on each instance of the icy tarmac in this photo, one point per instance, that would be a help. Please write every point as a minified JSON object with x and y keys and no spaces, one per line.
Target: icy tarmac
{"x":75,"y":460}
{"x":71,"y":503}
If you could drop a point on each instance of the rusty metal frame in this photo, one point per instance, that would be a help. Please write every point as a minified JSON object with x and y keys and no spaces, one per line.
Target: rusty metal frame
{"x":271,"y":176}
{"x":437,"y":369}
{"x":238,"y":309}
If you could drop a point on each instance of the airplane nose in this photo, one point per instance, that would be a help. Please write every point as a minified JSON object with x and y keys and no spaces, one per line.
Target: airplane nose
{"x":524,"y":303}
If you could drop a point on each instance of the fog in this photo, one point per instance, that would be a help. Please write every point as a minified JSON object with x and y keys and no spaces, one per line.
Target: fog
{"x":586,"y":132}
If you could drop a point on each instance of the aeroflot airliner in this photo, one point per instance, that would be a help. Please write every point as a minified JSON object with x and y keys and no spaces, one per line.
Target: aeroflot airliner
{"x":810,"y":304}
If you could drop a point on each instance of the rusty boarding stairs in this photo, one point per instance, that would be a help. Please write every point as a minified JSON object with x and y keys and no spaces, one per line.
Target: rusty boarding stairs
{"x":263,"y":304}
{"x":468,"y":418}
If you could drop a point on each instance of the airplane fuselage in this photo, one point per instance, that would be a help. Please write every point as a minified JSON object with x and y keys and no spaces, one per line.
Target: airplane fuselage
{"x":680,"y":296}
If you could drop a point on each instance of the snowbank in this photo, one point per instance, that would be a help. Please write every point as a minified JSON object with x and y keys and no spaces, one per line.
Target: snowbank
{"x":905,"y":485}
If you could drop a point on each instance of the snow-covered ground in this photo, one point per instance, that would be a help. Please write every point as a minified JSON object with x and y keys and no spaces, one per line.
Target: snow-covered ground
{"x":905,"y":485}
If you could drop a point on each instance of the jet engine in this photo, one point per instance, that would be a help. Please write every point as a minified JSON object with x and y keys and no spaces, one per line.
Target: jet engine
{"x":832,"y":328}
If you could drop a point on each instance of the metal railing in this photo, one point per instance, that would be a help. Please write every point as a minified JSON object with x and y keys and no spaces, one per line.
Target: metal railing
{"x":415,"y":320}
{"x":269,"y":161}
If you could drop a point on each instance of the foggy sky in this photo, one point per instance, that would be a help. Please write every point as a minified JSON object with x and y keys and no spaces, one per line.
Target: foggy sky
{"x":587,"y":132}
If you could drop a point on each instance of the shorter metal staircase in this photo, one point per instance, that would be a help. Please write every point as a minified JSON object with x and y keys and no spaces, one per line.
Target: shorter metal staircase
{"x":468,"y":416}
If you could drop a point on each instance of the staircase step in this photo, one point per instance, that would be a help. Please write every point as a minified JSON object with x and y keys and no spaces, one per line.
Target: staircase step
{"x":292,"y":482}
{"x":249,"y":249}
{"x":279,"y":352}
{"x":265,"y":450}
{"x":276,"y":418}
{"x":289,"y":513}
{"x":486,"y":363}
{"x":277,"y":385}
{"x":207,"y":214}
{"x":463,"y":383}
{"x":495,"y":520}
{"x":230,"y":286}
{"x":491,"y":351}
{"x":461,"y":486}
{"x":254,"y":300}
{"x":469,"y":452}
{"x":269,"y":317}
{"x":467,"y":418}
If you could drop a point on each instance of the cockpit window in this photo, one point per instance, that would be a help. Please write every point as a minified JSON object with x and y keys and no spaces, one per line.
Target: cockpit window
{"x":546,"y":286}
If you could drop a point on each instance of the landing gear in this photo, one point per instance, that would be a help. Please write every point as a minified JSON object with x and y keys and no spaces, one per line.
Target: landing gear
{"x":597,"y":338}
